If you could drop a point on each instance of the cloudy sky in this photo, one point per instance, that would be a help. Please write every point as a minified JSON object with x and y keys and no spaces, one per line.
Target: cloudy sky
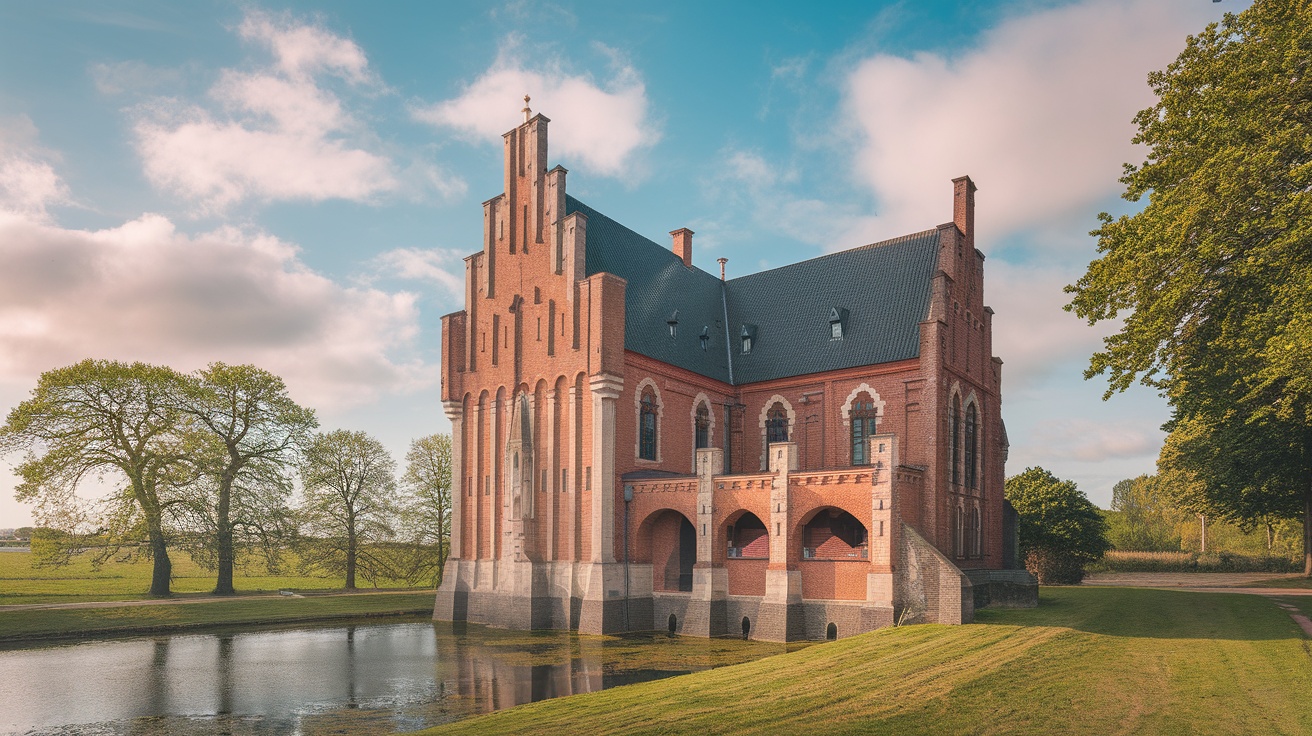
{"x":295,"y":184}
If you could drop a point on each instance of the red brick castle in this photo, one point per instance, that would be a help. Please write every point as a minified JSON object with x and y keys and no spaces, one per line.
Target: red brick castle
{"x":807,"y":452}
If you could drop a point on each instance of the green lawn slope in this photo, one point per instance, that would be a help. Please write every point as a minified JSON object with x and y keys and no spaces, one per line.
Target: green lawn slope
{"x":1087,"y":661}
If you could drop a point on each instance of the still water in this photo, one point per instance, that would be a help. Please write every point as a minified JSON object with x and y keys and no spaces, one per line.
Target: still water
{"x":368,"y":678}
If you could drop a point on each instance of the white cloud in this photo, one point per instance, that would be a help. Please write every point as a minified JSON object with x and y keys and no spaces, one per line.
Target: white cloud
{"x":1095,"y":442}
{"x":281,"y":132}
{"x":602,"y":126}
{"x":305,"y":50}
{"x":28,"y":182}
{"x":1031,"y":331}
{"x":415,"y":264}
{"x":144,"y":291}
{"x":1038,"y":113}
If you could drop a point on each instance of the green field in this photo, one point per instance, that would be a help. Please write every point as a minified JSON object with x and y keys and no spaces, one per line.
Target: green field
{"x":1087,"y":661}
{"x":22,"y":582}
{"x":86,"y":622}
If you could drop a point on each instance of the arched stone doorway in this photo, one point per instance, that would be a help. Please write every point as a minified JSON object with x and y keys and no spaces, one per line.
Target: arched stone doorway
{"x":669,"y":540}
{"x":835,"y":555}
{"x":748,"y":553}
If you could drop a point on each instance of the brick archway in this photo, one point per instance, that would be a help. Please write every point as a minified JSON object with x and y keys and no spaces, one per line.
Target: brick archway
{"x":667,"y":539}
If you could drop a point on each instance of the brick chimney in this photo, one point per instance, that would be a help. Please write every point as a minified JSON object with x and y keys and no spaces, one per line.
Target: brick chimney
{"x":683,"y":245}
{"x":963,"y":208}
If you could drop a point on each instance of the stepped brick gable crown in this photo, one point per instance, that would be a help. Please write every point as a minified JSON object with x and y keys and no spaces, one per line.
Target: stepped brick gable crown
{"x":806,"y":452}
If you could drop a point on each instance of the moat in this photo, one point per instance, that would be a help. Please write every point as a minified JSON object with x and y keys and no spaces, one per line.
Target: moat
{"x":363,"y":678}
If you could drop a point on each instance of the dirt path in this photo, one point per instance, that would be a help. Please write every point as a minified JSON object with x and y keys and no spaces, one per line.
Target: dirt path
{"x":1184,"y":579}
{"x":186,"y":601}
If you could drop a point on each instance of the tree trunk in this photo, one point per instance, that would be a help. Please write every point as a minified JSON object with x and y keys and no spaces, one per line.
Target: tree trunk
{"x":1307,"y":531}
{"x":223,"y":585}
{"x":162,"y":575}
{"x":350,"y":558}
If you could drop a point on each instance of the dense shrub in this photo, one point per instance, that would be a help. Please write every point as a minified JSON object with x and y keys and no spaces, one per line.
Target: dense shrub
{"x":1054,"y":568}
{"x":1061,"y":531}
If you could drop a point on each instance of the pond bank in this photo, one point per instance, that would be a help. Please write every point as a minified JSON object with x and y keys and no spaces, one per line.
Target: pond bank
{"x":121,"y":618}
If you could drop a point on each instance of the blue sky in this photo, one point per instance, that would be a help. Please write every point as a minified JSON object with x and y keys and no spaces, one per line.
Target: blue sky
{"x":295,"y":184}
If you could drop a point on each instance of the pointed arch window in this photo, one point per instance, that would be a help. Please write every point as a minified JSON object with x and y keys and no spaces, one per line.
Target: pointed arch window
{"x":865,"y":418}
{"x":776,"y":424}
{"x":702,"y":427}
{"x":954,"y":417}
{"x":975,"y":544}
{"x":959,"y":533}
{"x":647,"y":426}
{"x":972,"y":476}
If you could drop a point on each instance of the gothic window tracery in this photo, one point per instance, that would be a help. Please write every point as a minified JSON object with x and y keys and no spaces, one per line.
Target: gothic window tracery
{"x":647,"y":426}
{"x":865,"y":420}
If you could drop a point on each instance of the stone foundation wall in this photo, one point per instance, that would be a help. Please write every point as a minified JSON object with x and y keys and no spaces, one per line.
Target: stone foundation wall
{"x":928,"y":587}
{"x":1004,"y":588}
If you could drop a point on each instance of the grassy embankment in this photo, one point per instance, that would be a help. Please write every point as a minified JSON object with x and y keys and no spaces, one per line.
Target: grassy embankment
{"x":86,"y":622}
{"x":1088,"y":660}
{"x":22,"y":582}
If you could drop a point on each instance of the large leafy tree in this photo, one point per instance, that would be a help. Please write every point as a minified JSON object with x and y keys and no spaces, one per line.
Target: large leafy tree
{"x":1145,"y":517}
{"x":1213,"y":277}
{"x":1060,"y":528}
{"x":426,"y":514}
{"x":248,"y":432}
{"x":105,"y":421}
{"x":350,"y":505}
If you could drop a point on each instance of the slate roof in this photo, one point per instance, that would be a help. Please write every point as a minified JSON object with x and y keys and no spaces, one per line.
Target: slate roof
{"x":658,"y":284}
{"x":884,"y":288}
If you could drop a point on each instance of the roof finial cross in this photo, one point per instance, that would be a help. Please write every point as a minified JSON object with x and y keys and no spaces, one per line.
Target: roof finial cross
{"x":527,"y":112}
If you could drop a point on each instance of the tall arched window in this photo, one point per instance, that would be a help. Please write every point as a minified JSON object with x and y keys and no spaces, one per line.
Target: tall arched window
{"x":703,"y":427}
{"x":975,"y":544}
{"x":954,"y":417}
{"x":865,"y":417}
{"x":647,"y":426}
{"x":776,"y":424}
{"x":959,"y":533}
{"x":972,"y":476}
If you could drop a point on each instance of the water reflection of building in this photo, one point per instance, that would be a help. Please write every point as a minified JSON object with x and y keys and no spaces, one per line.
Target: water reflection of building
{"x":804,"y":452}
{"x":474,"y":670}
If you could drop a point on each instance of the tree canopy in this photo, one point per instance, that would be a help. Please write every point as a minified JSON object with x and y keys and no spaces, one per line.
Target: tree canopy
{"x":1060,"y":528}
{"x":350,"y":500}
{"x":247,"y":432}
{"x":1213,"y":277}
{"x":426,"y":514}
{"x":106,"y":421}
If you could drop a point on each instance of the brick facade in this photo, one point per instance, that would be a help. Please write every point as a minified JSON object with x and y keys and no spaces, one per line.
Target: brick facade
{"x":568,"y":515}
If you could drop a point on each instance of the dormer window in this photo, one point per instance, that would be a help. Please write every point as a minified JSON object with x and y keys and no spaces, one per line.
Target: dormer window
{"x":705,"y":337}
{"x":837,"y":323}
{"x":748,"y":337}
{"x":673,"y":323}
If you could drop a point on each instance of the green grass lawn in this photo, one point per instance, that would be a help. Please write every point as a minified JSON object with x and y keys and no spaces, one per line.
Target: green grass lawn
{"x":1087,"y":661}
{"x":22,"y":582}
{"x":81,"y":622}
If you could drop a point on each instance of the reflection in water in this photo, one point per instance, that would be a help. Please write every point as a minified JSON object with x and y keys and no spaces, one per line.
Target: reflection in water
{"x":357,"y":679}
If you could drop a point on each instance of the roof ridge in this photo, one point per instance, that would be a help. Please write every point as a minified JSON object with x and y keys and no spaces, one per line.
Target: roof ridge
{"x":879,"y":244}
{"x":617,"y":223}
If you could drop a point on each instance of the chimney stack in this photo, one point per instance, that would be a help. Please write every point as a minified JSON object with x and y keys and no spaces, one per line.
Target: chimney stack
{"x":683,"y":245}
{"x":963,"y":208}
{"x":722,"y":262}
